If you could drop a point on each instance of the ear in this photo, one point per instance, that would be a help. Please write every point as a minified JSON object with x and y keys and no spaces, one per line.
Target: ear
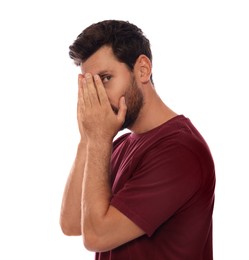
{"x":143,"y":68}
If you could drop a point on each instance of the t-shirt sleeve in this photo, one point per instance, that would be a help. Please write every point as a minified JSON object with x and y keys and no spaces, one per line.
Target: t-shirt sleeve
{"x":161,"y":183}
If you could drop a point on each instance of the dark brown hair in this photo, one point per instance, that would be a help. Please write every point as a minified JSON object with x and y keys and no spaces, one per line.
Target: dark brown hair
{"x":127,"y":41}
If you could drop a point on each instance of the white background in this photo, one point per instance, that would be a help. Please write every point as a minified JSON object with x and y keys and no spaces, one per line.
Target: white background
{"x":201,"y":70}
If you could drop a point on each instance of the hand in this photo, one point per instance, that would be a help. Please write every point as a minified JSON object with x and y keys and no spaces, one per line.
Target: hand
{"x":79,"y":116}
{"x":96,"y":119}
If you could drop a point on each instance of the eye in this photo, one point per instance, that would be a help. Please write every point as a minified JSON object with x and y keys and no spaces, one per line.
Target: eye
{"x":105,"y":78}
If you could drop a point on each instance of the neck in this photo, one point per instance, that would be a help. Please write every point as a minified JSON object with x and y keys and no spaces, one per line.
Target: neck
{"x":153,"y":113}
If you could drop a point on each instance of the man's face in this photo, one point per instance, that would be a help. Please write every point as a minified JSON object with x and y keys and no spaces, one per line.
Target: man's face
{"x":118,"y":81}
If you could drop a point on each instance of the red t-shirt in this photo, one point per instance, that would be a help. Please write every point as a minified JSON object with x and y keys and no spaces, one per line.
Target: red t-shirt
{"x":163,"y":180}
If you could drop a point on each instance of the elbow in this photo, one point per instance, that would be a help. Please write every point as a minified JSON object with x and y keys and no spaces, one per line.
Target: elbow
{"x":93,"y":242}
{"x":89,"y":245}
{"x":69,"y":229}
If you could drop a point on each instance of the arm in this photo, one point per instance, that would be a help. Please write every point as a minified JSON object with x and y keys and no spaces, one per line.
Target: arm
{"x":70,"y":217}
{"x":103,"y":226}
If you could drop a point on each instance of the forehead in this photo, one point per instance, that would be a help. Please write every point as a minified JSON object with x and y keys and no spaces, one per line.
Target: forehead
{"x":102,"y":60}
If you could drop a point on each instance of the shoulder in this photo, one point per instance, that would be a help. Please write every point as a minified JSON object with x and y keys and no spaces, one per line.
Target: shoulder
{"x":119,"y":140}
{"x":177,"y":142}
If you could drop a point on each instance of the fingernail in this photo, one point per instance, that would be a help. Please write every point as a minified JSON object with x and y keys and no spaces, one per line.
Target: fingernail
{"x":88,"y":75}
{"x":96,"y":77}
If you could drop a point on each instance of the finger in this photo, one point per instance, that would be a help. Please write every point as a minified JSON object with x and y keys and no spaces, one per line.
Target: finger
{"x":85,"y":93}
{"x":103,"y":98}
{"x":80,"y":86}
{"x":122,"y":110}
{"x":80,"y":107}
{"x":92,"y":92}
{"x":80,"y":103}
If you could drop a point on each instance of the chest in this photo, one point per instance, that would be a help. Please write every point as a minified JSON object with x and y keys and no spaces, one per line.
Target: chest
{"x":125,"y":159}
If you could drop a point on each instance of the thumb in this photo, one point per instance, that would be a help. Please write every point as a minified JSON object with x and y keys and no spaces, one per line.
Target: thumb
{"x":122,"y":110}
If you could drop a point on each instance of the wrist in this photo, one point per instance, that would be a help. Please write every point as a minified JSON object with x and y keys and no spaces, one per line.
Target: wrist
{"x":98,"y":140}
{"x":82,"y":144}
{"x":99,"y":146}
{"x":98,"y":153}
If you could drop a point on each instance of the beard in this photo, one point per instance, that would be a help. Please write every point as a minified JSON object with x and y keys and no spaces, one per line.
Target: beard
{"x":134,"y":101}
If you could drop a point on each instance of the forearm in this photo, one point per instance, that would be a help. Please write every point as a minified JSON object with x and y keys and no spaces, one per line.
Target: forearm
{"x":70,"y":218}
{"x":100,"y":124}
{"x":96,"y":191}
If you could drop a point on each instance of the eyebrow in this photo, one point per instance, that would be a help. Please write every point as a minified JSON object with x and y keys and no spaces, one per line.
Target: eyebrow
{"x":103,"y":72}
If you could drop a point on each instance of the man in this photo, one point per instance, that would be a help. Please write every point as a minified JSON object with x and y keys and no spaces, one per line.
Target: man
{"x":150,"y":193}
